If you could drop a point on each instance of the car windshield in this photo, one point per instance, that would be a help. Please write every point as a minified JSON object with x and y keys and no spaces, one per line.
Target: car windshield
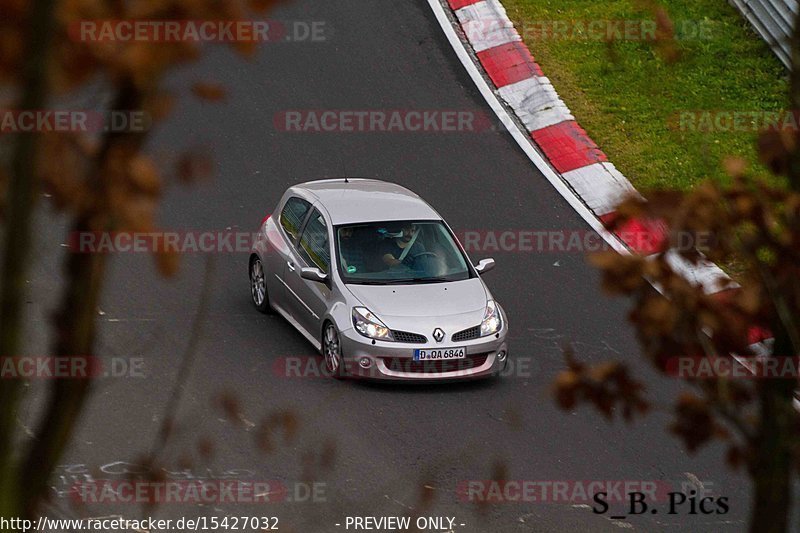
{"x":406,"y":252}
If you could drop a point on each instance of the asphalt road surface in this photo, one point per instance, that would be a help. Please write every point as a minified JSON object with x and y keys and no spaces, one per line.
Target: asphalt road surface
{"x":372,"y":450}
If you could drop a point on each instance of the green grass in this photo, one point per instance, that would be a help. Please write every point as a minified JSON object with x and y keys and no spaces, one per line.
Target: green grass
{"x":627,"y":96}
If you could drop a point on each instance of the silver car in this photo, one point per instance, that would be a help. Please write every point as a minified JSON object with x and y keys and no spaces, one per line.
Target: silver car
{"x":374,"y":278}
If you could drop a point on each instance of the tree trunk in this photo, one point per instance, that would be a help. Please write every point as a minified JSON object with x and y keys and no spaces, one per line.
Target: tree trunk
{"x":774,"y":462}
{"x":74,"y":331}
{"x":21,"y":195}
{"x":773,"y":465}
{"x":74,"y":328}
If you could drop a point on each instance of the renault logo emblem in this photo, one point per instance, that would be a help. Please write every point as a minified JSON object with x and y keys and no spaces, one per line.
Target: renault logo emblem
{"x":438,"y":334}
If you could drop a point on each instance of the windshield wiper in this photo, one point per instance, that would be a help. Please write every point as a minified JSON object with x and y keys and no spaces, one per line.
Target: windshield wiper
{"x":416,"y":280}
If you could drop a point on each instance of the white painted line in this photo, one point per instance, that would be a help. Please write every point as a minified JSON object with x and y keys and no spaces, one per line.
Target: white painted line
{"x":623,"y":525}
{"x":695,"y":481}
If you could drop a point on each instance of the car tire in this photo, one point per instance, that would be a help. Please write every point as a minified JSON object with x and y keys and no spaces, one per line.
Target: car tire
{"x":332,"y":351}
{"x":258,"y":286}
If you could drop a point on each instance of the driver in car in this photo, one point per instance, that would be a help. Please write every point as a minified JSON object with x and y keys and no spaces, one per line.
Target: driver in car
{"x":403,"y":249}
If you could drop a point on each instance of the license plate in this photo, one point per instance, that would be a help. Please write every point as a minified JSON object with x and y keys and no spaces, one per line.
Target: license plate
{"x":443,"y":354}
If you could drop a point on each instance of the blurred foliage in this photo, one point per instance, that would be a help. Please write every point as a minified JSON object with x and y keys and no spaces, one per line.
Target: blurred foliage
{"x":755,"y":224}
{"x":102,"y":180}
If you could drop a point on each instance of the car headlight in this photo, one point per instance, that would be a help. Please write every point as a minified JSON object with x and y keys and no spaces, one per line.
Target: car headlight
{"x":491,"y":319}
{"x":369,"y":325}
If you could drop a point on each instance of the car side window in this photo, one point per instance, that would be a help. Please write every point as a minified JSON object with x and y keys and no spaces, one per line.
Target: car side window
{"x":293,"y":214}
{"x":314,"y":245}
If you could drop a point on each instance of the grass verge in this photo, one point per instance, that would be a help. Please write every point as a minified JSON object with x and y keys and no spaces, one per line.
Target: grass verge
{"x":661,"y":109}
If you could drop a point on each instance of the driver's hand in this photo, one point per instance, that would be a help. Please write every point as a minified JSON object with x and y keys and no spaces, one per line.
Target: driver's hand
{"x":390,"y":260}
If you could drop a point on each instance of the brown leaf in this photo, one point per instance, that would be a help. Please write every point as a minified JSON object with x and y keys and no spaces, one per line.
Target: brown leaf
{"x":245,"y":48}
{"x":135,"y":213}
{"x":3,"y":193}
{"x":604,"y":260}
{"x":159,"y":106}
{"x":205,"y":448}
{"x":774,"y":149}
{"x":194,"y":166}
{"x":735,"y":166}
{"x":263,"y":438}
{"x":263,"y":5}
{"x":209,"y":91}
{"x":167,"y":429}
{"x":566,"y":384}
{"x":656,"y":316}
{"x":735,"y":457}
{"x":328,"y":455}
{"x":499,"y":470}
{"x":61,"y":170}
{"x":229,"y":403}
{"x":287,"y":421}
{"x":143,"y":176}
{"x":168,"y":263}
{"x":185,"y":462}
{"x":693,"y":422}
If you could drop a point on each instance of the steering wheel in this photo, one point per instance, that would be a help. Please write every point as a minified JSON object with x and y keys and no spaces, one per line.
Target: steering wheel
{"x":423,"y":254}
{"x":432,"y":266}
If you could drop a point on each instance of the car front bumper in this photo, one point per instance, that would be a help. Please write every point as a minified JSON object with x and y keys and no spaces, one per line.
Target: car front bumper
{"x":394,"y":361}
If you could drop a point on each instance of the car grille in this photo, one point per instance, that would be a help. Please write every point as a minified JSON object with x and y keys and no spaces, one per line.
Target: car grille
{"x":405,"y":336}
{"x":404,"y":364}
{"x":467,"y":334}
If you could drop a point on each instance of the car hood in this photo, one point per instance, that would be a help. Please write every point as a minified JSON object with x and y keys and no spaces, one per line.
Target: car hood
{"x":424,"y":299}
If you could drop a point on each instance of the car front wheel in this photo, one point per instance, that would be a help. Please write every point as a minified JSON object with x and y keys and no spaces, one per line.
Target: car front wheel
{"x":332,"y":351}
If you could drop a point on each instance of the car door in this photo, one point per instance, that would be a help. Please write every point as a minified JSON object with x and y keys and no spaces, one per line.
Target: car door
{"x":310,"y":299}
{"x":293,"y":215}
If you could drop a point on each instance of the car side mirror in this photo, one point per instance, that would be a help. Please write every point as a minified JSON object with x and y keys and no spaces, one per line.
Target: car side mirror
{"x":484,"y":266}
{"x":313,"y":274}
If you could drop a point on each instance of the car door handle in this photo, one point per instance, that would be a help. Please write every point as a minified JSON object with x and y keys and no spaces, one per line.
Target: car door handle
{"x":290,"y":265}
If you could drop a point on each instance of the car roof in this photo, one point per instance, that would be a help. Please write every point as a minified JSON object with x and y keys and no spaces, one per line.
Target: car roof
{"x":367,"y":200}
